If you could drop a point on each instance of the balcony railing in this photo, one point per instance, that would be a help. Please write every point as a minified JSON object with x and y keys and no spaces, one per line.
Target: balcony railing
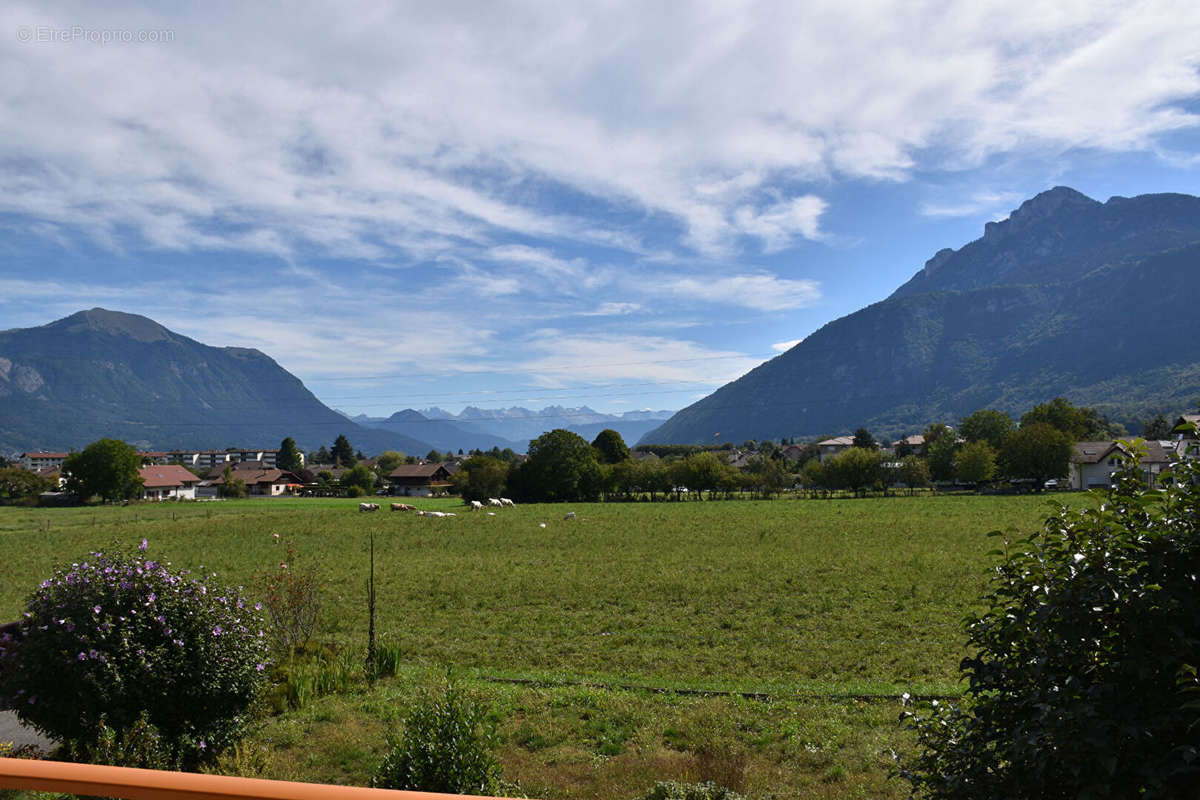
{"x":149,"y":784}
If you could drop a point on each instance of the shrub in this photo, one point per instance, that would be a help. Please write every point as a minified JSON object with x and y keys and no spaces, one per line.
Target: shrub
{"x":674,"y":790}
{"x":445,"y":746}
{"x":292,"y":600}
{"x":1083,"y":678}
{"x":117,"y":639}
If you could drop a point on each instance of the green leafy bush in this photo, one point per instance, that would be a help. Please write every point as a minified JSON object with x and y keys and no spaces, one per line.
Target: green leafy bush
{"x":1083,"y":682}
{"x":674,"y":790}
{"x":445,"y":746}
{"x":116,"y":641}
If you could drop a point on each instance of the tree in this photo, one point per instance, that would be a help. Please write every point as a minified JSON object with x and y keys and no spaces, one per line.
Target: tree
{"x":913,"y":473}
{"x":1081,"y":424}
{"x":289,"y":457}
{"x":610,"y":447}
{"x":856,"y":469}
{"x":387,"y":462}
{"x":699,"y":472}
{"x":1038,"y":451}
{"x":20,"y":484}
{"x":1082,"y":673}
{"x":864,"y":439}
{"x":342,"y":453}
{"x":1157,"y":427}
{"x":768,"y":475}
{"x":975,"y":462}
{"x":322,"y":456}
{"x":107,"y":468}
{"x":359,"y":475}
{"x":561,"y":467}
{"x":987,"y":425}
{"x":479,"y":478}
{"x":231,"y":487}
{"x":941,"y":445}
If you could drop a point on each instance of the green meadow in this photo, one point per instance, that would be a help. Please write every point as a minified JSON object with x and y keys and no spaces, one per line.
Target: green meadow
{"x":759,"y":643}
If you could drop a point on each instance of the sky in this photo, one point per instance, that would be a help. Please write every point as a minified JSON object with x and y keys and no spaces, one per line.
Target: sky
{"x":622,"y":205}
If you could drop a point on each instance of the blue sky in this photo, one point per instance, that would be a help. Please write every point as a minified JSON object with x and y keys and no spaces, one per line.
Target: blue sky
{"x":617,"y":204}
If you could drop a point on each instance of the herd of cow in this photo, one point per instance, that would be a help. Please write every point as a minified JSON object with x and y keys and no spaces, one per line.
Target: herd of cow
{"x":474,"y":505}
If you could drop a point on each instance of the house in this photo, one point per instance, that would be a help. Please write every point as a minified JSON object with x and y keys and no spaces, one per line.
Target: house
{"x":167,"y":482}
{"x":419,"y":480}
{"x":1093,"y":463}
{"x":261,"y":481}
{"x":207,"y":459}
{"x":914,"y":443}
{"x":39,"y":461}
{"x":829,"y":448}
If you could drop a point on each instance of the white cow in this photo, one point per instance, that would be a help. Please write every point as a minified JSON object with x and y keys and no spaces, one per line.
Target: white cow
{"x":492,"y":501}
{"x":569,"y":515}
{"x":368,"y":506}
{"x":504,"y":501}
{"x":435,"y":513}
{"x":476,"y":505}
{"x":403,"y":507}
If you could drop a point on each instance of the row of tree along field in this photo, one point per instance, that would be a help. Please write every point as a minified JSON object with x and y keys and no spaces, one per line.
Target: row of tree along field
{"x":989,"y":446}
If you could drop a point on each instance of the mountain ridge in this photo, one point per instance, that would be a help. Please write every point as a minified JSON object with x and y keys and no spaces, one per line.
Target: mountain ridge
{"x":1068,"y":296}
{"x":110,"y":373}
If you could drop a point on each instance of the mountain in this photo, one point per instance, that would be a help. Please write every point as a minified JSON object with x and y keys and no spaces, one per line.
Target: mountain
{"x":441,"y":433}
{"x":523,"y":424}
{"x":1068,"y":296}
{"x":104,"y":373}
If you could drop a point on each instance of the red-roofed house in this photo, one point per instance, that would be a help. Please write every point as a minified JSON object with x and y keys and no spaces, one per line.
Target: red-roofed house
{"x":168,"y":482}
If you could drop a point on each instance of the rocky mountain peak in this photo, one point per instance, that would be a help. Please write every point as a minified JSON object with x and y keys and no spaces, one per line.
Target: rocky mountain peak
{"x":1050,"y":203}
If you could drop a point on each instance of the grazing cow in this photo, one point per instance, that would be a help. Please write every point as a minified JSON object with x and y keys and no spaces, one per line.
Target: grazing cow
{"x":420,"y":513}
{"x":570,"y":515}
{"x":492,"y":501}
{"x":435,"y":513}
{"x":368,"y":506}
{"x":476,"y":505}
{"x":504,"y":501}
{"x":403,"y":507}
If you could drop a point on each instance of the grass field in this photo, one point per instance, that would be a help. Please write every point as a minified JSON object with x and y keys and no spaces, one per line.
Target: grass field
{"x":827,"y":608}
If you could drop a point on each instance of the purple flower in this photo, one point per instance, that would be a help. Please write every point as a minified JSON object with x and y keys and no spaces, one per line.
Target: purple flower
{"x":260,"y":667}
{"x":96,"y":609}
{"x":82,"y":656}
{"x":203,"y":745}
{"x":142,"y":547}
{"x":217,"y":630}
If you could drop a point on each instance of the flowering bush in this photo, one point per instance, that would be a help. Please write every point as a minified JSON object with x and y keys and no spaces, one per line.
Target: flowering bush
{"x":116,"y":641}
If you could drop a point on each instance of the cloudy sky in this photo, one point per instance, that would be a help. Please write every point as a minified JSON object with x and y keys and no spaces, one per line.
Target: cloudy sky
{"x":617,"y":204}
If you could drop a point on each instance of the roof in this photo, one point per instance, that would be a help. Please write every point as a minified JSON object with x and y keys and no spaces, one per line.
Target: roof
{"x":1157,"y":452}
{"x":416,"y":470}
{"x":252,"y":477}
{"x":916,"y":440}
{"x":838,"y":441}
{"x":165,"y":476}
{"x":44,"y":455}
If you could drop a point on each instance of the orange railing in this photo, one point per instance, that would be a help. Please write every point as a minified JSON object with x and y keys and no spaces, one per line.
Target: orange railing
{"x":149,"y":784}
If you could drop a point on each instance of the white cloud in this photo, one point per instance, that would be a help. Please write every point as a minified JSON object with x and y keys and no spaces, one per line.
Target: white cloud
{"x":412,"y":127}
{"x":760,"y":291}
{"x":612,"y":310}
{"x":779,"y":223}
{"x":573,"y":359}
{"x":994,"y":203}
{"x":783,"y":347}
